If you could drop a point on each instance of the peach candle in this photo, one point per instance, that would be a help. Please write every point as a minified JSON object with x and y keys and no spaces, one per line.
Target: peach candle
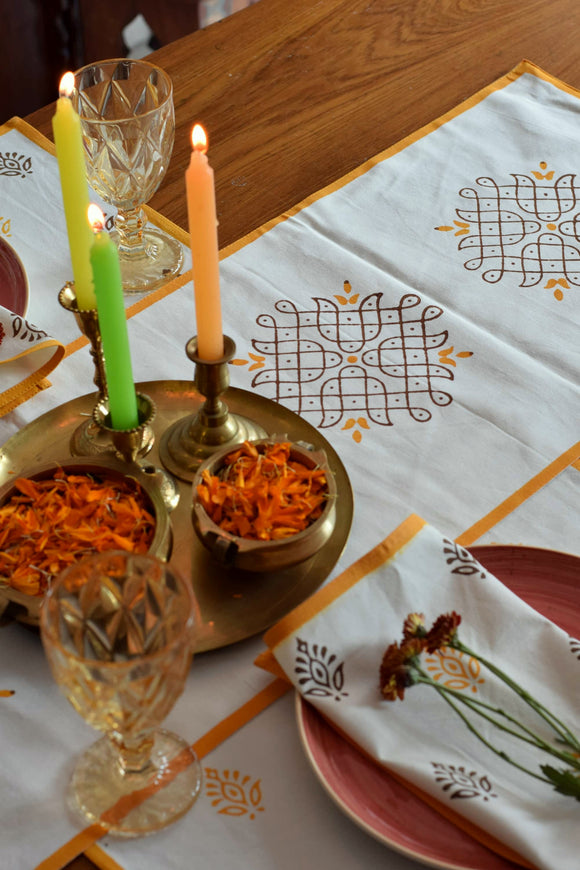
{"x":201,"y":209}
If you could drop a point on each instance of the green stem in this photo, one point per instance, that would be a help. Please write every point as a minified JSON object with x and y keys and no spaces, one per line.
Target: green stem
{"x":479,"y":706}
{"x":556,"y":724}
{"x":489,"y":745}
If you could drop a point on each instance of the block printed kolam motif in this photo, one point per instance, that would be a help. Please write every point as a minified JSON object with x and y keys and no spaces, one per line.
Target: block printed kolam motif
{"x":355,"y":361}
{"x":529,"y":227}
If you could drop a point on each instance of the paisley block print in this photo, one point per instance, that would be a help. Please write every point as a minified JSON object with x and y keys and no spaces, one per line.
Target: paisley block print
{"x":15,"y":164}
{"x":467,"y":565}
{"x":319,"y":672}
{"x":459,"y":783}
{"x":354,"y":361}
{"x":529,"y":227}
{"x":575,"y":647}
{"x":23,"y":330}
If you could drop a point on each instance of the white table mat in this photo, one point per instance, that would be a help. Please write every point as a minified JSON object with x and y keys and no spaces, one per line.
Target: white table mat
{"x":484,"y":426}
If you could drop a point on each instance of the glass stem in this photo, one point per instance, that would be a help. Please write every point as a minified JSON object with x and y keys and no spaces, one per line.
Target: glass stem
{"x":133,"y":753}
{"x":130,"y":225}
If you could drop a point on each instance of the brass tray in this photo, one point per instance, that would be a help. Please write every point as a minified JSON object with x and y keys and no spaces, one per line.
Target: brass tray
{"x":234,"y":604}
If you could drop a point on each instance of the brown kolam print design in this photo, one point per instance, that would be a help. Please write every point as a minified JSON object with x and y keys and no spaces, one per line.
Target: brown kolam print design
{"x":354,"y":361}
{"x":528,"y":226}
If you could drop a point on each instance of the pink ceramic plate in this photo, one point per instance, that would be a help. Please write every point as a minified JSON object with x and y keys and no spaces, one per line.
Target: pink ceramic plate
{"x":550,"y":582}
{"x":13,"y":280}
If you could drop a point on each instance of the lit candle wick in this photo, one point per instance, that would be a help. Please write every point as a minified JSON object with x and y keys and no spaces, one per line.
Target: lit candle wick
{"x":96,"y":218}
{"x":199,"y":139}
{"x":67,"y":85}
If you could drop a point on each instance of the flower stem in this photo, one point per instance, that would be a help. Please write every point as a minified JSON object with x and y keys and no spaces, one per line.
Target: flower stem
{"x":480,"y":706}
{"x":556,"y":724}
{"x":473,"y":729}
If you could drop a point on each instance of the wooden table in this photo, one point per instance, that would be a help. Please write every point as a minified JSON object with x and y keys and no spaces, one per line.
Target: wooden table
{"x":296,"y":94}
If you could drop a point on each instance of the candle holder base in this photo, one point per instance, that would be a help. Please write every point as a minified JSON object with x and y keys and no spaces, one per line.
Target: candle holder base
{"x":130,"y":445}
{"x":89,"y":439}
{"x":186,"y":444}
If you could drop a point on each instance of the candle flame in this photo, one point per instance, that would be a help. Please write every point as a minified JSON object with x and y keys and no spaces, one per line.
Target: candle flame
{"x":67,"y":85}
{"x":199,"y":139}
{"x":96,"y":217}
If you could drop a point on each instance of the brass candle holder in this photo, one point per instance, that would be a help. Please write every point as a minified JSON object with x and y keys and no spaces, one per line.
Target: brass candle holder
{"x":186,"y":444}
{"x":96,"y":434}
{"x":130,"y":445}
{"x":88,"y":439}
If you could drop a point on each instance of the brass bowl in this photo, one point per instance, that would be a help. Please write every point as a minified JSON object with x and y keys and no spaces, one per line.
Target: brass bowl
{"x":26,"y":608}
{"x":251,"y":555}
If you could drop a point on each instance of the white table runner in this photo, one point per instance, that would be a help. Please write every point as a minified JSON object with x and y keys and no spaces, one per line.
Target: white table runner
{"x":424,"y":314}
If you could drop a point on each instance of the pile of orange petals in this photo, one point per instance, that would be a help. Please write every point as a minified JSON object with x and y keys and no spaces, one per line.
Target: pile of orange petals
{"x":48,"y":524}
{"x":265,"y":496}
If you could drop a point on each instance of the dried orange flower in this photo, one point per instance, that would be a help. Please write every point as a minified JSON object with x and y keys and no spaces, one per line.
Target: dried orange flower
{"x":49,"y":524}
{"x":264,"y":496}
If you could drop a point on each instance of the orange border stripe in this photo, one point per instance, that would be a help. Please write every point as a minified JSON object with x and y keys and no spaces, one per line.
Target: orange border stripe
{"x":333,"y":590}
{"x":513,"y":501}
{"x":86,"y":839}
{"x":525,"y":66}
{"x":101,"y":858}
{"x":240,"y":717}
{"x":77,"y":844}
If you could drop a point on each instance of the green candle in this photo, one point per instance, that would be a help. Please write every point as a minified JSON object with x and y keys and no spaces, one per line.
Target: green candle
{"x":113,"y":325}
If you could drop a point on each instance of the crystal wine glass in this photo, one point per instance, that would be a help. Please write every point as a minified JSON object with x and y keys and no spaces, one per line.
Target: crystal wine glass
{"x":128,"y":123}
{"x":117,"y":629}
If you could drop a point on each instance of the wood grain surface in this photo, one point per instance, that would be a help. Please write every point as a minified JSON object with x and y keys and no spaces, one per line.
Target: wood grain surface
{"x":296,"y":94}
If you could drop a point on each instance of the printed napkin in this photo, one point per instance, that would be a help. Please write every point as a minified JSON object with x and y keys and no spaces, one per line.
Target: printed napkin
{"x":27,"y":355}
{"x":332,"y":646}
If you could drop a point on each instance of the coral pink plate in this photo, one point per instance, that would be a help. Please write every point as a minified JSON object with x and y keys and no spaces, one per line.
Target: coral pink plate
{"x":550,"y":583}
{"x":13,"y":280}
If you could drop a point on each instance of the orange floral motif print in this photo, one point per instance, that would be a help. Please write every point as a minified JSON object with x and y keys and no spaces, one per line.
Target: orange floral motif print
{"x":233,"y":794}
{"x":353,"y":361}
{"x":527,"y":227}
{"x":454,"y":669}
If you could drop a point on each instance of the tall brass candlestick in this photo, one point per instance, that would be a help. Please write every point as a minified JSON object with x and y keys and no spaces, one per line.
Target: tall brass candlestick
{"x":88,"y":439}
{"x":92,"y":436}
{"x":192,"y":439}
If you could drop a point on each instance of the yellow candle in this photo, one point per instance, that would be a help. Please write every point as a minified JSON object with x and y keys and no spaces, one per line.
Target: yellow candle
{"x":201,"y":212}
{"x":66,"y":126}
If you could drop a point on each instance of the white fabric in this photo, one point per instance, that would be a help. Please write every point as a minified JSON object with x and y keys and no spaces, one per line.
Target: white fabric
{"x":514,"y":408}
{"x":421,"y":738}
{"x":24,"y":350}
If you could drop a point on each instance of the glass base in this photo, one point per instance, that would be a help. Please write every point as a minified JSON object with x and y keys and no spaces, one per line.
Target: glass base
{"x":147,"y":268}
{"x":137,"y":804}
